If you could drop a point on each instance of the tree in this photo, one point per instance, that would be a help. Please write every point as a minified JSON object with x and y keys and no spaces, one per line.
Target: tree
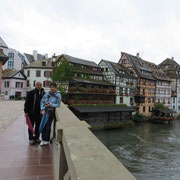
{"x":63,"y":70}
{"x":158,"y":106}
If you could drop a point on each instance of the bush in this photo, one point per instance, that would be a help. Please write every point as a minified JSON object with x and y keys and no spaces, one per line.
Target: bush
{"x":138,"y":117}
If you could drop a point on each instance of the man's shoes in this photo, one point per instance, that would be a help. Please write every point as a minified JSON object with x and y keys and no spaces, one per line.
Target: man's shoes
{"x":38,"y":141}
{"x":31,"y":142}
{"x":44,"y":143}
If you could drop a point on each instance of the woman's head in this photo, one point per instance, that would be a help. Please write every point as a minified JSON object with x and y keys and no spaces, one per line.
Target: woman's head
{"x":53,"y":87}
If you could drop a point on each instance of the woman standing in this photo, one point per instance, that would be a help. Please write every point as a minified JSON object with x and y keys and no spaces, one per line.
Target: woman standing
{"x":49,"y":102}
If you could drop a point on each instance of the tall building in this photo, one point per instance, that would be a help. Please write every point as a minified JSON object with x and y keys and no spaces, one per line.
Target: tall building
{"x":163,"y":84}
{"x":16,"y":59}
{"x":146,"y":83}
{"x":120,"y":76}
{"x":87,"y":86}
{"x":172,"y":69}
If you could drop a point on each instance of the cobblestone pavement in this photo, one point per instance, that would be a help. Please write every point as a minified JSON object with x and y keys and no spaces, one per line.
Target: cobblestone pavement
{"x":9,"y":112}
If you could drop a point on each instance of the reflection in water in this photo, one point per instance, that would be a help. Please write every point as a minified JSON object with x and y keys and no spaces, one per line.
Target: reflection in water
{"x":149,"y":151}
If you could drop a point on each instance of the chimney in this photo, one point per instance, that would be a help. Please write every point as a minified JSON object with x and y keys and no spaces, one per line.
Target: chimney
{"x":172,"y":58}
{"x":35,"y":52}
{"x":46,"y":55}
{"x":54,"y":57}
{"x":137,"y":55}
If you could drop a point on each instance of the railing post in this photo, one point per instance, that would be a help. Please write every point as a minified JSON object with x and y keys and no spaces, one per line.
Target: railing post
{"x":63,"y":168}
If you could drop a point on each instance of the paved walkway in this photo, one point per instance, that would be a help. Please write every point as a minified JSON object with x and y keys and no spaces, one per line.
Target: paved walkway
{"x":19,"y":160}
{"x":9,"y":112}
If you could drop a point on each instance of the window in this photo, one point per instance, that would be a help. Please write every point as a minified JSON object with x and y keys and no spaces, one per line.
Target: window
{"x":28,"y":83}
{"x":38,"y":73}
{"x":18,"y":84}
{"x":178,"y":107}
{"x":144,"y":109}
{"x":149,"y":100}
{"x":106,"y":69}
{"x":6,"y":84}
{"x":43,"y":63}
{"x":144,"y":82}
{"x":34,"y":82}
{"x":131,"y":101}
{"x":143,"y":91}
{"x":53,"y":64}
{"x":121,"y":100}
{"x":47,"y":74}
{"x":28,"y":73}
{"x":6,"y":93}
{"x":149,"y":109}
{"x":11,"y":60}
{"x":46,"y":83}
{"x":173,"y":100}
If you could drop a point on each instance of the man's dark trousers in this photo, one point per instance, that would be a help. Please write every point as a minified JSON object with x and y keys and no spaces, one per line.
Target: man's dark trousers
{"x":35,"y":121}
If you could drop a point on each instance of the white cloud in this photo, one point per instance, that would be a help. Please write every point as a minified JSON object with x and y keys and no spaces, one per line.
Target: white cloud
{"x":93,"y":29}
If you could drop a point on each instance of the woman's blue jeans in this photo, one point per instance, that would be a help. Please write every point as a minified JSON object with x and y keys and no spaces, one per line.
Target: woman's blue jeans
{"x":47,"y":130}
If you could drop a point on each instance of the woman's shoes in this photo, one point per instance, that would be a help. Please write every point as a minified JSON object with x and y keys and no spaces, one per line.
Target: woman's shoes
{"x":44,"y":143}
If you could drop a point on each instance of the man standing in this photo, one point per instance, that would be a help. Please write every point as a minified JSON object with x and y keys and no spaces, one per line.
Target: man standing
{"x":32,"y":109}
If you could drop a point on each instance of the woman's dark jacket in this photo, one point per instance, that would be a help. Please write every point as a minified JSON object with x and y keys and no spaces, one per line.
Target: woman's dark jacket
{"x":32,"y":103}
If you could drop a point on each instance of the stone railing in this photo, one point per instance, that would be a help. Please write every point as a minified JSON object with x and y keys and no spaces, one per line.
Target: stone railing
{"x":79,"y":155}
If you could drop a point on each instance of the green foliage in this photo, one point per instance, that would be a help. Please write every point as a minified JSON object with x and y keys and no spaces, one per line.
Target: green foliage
{"x":113,"y":125}
{"x":64,"y":95}
{"x":159,"y":106}
{"x":138,"y":117}
{"x":63,"y":71}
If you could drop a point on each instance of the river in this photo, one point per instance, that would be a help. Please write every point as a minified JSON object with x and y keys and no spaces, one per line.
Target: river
{"x":149,"y":151}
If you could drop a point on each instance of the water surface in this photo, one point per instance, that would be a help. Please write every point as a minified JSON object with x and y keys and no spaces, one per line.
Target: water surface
{"x":149,"y":151}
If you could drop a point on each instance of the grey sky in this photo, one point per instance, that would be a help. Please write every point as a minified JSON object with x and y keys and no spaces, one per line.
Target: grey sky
{"x":93,"y":29}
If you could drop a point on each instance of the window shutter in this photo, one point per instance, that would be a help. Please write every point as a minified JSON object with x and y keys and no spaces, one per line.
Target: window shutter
{"x":44,"y":83}
{"x":44,"y":73}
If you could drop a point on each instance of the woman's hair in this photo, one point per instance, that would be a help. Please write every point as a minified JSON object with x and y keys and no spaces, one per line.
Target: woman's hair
{"x":53,"y":84}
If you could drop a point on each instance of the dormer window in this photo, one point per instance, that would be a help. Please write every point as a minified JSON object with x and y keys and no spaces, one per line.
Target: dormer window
{"x":53,"y":64}
{"x":43,"y":63}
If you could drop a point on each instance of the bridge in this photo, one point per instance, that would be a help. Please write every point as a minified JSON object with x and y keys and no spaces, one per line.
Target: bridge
{"x":79,"y":155}
{"x":75,"y":153}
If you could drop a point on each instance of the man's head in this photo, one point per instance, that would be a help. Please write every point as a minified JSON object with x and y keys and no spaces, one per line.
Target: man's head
{"x":53,"y":87}
{"x":38,"y":85}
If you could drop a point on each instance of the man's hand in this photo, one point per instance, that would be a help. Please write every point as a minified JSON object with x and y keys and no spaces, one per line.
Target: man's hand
{"x":43,"y":112}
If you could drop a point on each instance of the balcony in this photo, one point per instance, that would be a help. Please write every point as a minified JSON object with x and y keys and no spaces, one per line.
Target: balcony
{"x":139,"y":98}
{"x":83,"y":90}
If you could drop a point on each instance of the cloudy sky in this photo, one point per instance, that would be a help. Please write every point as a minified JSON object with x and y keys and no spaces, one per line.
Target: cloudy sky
{"x":93,"y":29}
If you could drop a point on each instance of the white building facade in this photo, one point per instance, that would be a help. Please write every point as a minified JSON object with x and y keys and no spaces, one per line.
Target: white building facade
{"x":39,"y":71}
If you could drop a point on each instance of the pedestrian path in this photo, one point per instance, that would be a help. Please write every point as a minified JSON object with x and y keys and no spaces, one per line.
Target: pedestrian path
{"x":9,"y":112}
{"x":21,"y":161}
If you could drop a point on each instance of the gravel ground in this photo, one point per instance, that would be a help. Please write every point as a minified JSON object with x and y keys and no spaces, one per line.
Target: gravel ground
{"x":9,"y":112}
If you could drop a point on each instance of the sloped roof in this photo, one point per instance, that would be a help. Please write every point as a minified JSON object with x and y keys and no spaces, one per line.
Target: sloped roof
{"x":92,"y":81}
{"x":79,"y":61}
{"x":169,"y":61}
{"x":29,"y":57}
{"x":118,"y":68}
{"x":38,"y":64}
{"x":93,"y":109}
{"x":140,"y":64}
{"x":10,"y":73}
{"x":2,"y":43}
